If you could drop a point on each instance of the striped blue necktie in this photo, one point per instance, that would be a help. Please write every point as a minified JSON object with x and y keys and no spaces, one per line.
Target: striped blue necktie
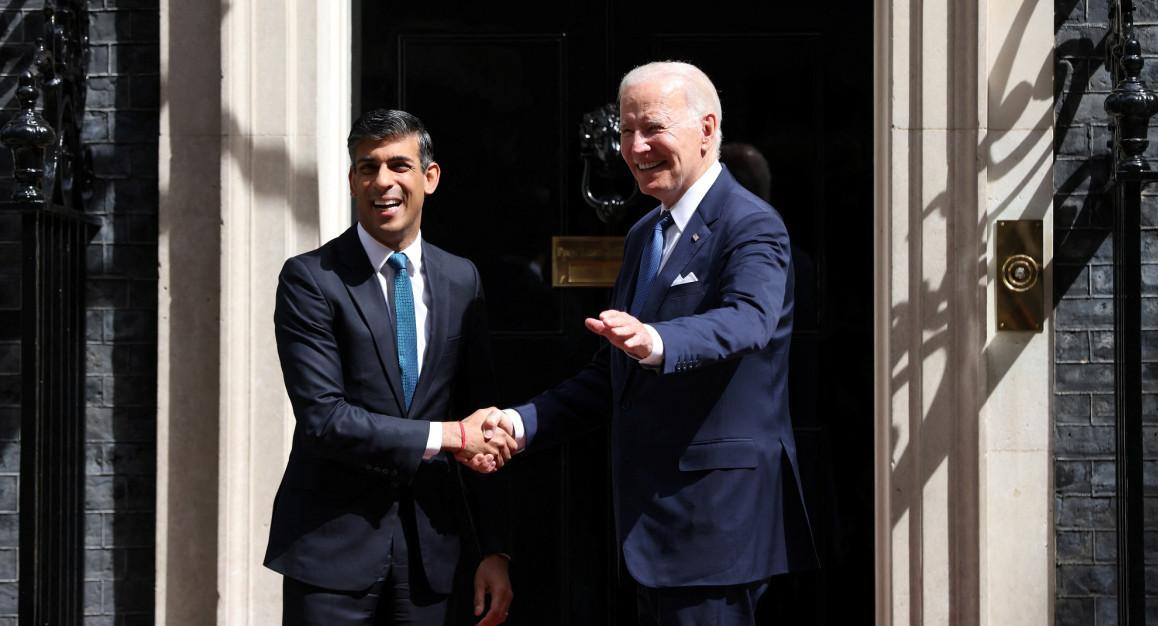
{"x":404,"y":325}
{"x":649,"y":263}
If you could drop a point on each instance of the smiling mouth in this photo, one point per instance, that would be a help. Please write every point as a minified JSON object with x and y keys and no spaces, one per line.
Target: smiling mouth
{"x":386,"y":205}
{"x":643,"y":167}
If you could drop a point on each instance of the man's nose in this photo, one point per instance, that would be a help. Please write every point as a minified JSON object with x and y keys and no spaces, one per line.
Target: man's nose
{"x":636,"y":144}
{"x":385,"y":177}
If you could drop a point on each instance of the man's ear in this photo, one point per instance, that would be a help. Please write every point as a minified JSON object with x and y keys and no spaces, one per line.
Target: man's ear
{"x":432,"y":174}
{"x":708,"y":128}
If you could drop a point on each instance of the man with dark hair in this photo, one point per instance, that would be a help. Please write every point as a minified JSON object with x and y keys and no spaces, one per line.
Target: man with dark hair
{"x":382,"y":339}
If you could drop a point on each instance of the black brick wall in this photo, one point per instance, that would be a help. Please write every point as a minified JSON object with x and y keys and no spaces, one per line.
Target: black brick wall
{"x":1084,"y":441}
{"x":121,"y":128}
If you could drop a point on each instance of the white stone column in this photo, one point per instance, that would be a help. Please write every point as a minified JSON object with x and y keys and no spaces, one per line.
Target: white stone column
{"x":1016,"y":471}
{"x":256,"y":103}
{"x":963,"y":412}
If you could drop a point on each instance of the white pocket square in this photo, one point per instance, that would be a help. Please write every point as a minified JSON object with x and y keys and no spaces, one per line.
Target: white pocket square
{"x":680,"y":280}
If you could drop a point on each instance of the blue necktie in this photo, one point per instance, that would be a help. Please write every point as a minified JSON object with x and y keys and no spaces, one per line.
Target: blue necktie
{"x":649,"y":263}
{"x":404,"y":325}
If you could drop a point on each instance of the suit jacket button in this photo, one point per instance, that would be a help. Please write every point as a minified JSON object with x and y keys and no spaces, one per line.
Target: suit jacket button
{"x":624,"y":404}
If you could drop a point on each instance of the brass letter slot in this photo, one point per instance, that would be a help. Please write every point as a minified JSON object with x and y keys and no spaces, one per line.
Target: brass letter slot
{"x":585,"y":261}
{"x":1020,"y":289}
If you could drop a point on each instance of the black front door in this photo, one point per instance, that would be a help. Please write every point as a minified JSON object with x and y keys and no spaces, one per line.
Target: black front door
{"x":503,"y":88}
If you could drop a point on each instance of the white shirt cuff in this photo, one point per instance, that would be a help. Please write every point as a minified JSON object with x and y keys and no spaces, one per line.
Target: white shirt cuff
{"x":656,"y":356}
{"x":520,"y":430}
{"x":433,"y":440}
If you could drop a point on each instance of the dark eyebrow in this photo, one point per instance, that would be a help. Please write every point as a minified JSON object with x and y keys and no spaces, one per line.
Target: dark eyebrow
{"x":391,"y":159}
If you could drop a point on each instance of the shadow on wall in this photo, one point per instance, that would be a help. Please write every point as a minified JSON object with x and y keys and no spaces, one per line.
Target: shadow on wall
{"x":1082,"y":214}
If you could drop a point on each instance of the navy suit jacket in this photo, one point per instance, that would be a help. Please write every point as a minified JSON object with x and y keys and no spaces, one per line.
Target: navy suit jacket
{"x":705,"y":484}
{"x":355,"y":480}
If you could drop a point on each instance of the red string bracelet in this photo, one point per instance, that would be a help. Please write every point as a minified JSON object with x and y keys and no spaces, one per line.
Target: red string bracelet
{"x":462,"y":429}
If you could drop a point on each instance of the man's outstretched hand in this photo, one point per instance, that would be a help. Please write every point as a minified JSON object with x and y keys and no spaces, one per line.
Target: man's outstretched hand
{"x":624,"y":331}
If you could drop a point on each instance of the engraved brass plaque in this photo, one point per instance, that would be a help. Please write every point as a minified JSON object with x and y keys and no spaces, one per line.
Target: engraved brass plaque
{"x":585,"y":261}
{"x":1020,"y":289}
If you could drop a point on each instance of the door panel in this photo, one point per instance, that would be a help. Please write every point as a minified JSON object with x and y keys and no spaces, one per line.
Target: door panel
{"x":503,"y":89}
{"x":501,"y":198}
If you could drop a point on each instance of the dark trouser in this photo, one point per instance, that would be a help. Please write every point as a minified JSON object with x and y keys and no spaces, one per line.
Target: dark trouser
{"x":733,"y":605}
{"x":391,"y":601}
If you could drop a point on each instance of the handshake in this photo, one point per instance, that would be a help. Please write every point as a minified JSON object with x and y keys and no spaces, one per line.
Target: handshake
{"x":484,"y":441}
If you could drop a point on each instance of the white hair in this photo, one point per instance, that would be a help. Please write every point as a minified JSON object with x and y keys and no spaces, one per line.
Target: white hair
{"x":699,"y":92}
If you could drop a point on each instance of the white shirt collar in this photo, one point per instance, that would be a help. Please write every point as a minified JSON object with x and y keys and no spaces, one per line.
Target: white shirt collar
{"x":683,"y":209}
{"x":379,"y":252}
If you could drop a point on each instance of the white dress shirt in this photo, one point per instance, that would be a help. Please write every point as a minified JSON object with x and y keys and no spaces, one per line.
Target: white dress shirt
{"x":378,"y":253}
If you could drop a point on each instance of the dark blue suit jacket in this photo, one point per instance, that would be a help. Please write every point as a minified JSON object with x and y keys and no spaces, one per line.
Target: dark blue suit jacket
{"x":705,"y":483}
{"x":355,"y":481}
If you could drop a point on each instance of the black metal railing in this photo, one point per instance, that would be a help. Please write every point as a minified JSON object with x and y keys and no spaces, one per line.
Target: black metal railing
{"x":50,"y":170}
{"x":1132,"y":105}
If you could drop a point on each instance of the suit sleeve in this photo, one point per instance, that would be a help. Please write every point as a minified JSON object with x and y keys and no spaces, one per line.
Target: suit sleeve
{"x":577,"y":405}
{"x":312,"y":364}
{"x":755,"y":277}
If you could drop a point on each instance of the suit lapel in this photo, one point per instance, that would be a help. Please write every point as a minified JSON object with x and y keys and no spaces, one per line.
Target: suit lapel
{"x":695,"y":234}
{"x":366,"y":291}
{"x":690,"y":243}
{"x":685,"y":250}
{"x":437,"y":315}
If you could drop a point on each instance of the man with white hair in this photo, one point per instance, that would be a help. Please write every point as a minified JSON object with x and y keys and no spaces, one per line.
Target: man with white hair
{"x":694,"y":373}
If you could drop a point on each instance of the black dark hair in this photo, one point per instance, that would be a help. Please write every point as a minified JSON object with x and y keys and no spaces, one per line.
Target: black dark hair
{"x":381,"y":124}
